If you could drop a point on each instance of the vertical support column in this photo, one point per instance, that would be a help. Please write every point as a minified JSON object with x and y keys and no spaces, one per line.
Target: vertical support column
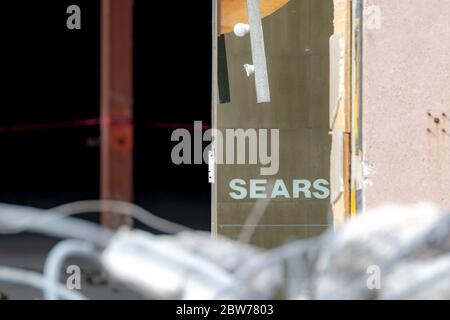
{"x":342,"y":117}
{"x":348,"y":109}
{"x":216,"y":26}
{"x":116,"y":106}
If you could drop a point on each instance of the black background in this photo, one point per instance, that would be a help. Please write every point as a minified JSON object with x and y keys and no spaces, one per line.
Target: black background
{"x":52,"y":74}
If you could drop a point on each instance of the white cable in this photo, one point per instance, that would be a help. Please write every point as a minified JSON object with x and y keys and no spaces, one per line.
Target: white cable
{"x":421,"y":285}
{"x":14,"y":218}
{"x":260,"y":262}
{"x":55,"y":262}
{"x":35,"y":280}
{"x":21,"y":224}
{"x":165,"y":268}
{"x":123,"y":208}
{"x":403,"y":252}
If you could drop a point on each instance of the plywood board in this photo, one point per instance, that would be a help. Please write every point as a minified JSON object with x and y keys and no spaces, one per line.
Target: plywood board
{"x":235,"y":11}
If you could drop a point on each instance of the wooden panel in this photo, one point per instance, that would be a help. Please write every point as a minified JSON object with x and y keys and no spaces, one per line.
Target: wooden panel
{"x":117,"y":106}
{"x":235,"y":11}
{"x":297,"y":38}
{"x":343,"y":27}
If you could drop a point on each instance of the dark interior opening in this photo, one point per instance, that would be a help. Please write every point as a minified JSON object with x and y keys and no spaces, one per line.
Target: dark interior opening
{"x":172,"y":90}
{"x":48,"y":135}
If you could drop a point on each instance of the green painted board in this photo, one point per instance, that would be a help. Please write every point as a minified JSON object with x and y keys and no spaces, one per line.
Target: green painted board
{"x":297,"y":48}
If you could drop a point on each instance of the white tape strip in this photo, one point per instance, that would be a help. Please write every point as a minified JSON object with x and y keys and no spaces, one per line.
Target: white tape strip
{"x":258,"y":51}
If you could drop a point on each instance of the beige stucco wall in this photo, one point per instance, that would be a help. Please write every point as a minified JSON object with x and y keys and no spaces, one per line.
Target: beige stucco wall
{"x":406,"y":74}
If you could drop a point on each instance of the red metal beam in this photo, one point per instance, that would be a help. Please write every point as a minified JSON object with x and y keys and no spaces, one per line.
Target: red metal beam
{"x":116,"y":106}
